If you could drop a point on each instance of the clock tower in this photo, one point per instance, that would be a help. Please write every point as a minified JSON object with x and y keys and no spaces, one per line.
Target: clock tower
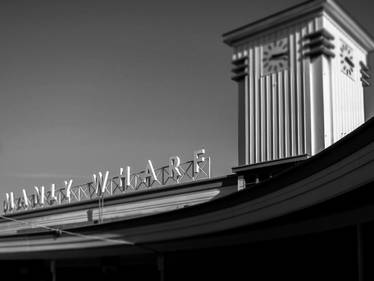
{"x":301,"y":75}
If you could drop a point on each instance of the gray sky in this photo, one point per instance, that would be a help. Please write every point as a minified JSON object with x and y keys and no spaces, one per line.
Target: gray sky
{"x":94,"y":85}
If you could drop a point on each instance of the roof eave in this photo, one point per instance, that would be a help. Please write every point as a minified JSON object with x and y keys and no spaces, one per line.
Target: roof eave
{"x":233,"y":37}
{"x":287,"y":15}
{"x":354,"y":29}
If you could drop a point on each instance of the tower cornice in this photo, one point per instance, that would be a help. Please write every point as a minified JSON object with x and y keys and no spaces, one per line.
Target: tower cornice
{"x":298,"y":12}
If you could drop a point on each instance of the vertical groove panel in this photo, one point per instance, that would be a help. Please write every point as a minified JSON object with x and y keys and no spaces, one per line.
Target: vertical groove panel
{"x":300,"y":121}
{"x":343,"y":113}
{"x":338,"y":120}
{"x":268,"y":119}
{"x":246,"y":112}
{"x":258,"y":108}
{"x":281,"y":115}
{"x":287,"y":116}
{"x":331,"y":70}
{"x":292,"y":96}
{"x":306,"y":85}
{"x":263,"y":118}
{"x":335,"y":99}
{"x":339,"y":109}
{"x":275,"y":116}
{"x":252,"y":109}
{"x":241,"y":122}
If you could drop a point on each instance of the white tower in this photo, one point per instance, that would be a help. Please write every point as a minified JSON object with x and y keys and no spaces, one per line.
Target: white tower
{"x":301,"y":75}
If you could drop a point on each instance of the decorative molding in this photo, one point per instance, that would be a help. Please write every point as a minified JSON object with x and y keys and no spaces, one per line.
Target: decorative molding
{"x":235,"y":36}
{"x":240,"y":69}
{"x":365,"y":74}
{"x":319,"y":43}
{"x":320,"y":33}
{"x":301,"y":12}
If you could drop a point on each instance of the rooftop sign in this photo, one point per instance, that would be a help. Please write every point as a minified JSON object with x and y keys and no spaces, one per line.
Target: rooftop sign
{"x":104,"y":186}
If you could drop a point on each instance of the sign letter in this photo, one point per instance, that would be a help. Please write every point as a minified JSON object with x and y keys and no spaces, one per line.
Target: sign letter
{"x":68,"y":189}
{"x":101,"y":182}
{"x":127,"y":177}
{"x":53,"y":196}
{"x":9,"y":202}
{"x":25,"y":199}
{"x":174,"y":164}
{"x":149,"y":174}
{"x":197,"y":158}
{"x":39,"y":196}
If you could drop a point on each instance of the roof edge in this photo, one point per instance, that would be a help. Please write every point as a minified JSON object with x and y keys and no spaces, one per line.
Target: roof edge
{"x":343,"y":17}
{"x":285,"y":15}
{"x":296,"y":12}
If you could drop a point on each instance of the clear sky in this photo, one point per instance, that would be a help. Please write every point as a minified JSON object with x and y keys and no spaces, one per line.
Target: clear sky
{"x":95,"y":85}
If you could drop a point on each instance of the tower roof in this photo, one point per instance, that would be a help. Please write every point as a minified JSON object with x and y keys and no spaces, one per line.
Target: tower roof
{"x":300,"y":11}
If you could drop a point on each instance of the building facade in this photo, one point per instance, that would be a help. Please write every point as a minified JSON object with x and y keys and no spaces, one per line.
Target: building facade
{"x":299,"y":205}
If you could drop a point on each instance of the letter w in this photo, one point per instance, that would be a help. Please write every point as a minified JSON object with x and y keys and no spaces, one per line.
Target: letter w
{"x":100,"y":182}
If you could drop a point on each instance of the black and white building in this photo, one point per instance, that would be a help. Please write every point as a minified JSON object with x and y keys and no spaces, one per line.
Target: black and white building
{"x":299,"y":205}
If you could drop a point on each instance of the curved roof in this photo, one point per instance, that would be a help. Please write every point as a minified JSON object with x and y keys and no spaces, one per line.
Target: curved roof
{"x":344,"y":167}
